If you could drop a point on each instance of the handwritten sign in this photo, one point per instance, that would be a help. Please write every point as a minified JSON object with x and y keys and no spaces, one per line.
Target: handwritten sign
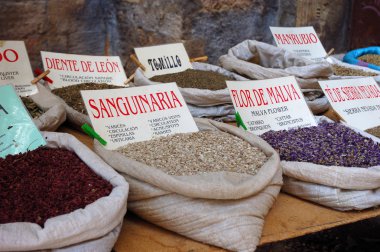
{"x":357,"y":101}
{"x":127,"y":115}
{"x":15,"y":67}
{"x":18,"y":133}
{"x":71,"y":69}
{"x":272,"y":104}
{"x":302,"y":41}
{"x":163,"y":59}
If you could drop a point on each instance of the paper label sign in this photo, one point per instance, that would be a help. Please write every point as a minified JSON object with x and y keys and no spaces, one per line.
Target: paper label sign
{"x":122,"y":116}
{"x":71,"y":69}
{"x":302,"y":41}
{"x":272,"y":104}
{"x":163,"y":59}
{"x":15,"y":67}
{"x":18,"y":134}
{"x":357,"y":101}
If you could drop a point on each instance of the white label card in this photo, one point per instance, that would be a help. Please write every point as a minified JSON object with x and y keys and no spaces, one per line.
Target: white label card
{"x":71,"y":69}
{"x":15,"y":67}
{"x":127,"y":115}
{"x":302,"y":41}
{"x":163,"y":59}
{"x":357,"y":101}
{"x":272,"y":104}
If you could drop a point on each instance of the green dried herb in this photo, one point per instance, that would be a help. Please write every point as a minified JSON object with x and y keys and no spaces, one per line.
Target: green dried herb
{"x":71,"y":94}
{"x":191,"y":78}
{"x":371,"y":58}
{"x":33,"y":109}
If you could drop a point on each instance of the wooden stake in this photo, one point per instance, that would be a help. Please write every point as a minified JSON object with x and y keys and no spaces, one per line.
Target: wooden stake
{"x":329,"y":53}
{"x":199,"y":59}
{"x":130,"y":78}
{"x":41,"y":76}
{"x":137,"y":62}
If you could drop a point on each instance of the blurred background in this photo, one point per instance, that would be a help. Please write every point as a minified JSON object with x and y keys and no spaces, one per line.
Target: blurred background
{"x":206,"y":27}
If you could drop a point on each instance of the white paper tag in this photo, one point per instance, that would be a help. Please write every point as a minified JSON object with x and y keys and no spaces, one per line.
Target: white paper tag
{"x":127,"y":115}
{"x":272,"y":104}
{"x":302,"y":41}
{"x":71,"y":69}
{"x":15,"y":68}
{"x":163,"y":59}
{"x":357,"y":101}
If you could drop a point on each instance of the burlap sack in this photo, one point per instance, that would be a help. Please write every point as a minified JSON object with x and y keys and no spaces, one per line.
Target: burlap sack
{"x":341,"y":188}
{"x":94,"y":228}
{"x":260,"y":61}
{"x":224,"y":209}
{"x":51,"y":119}
{"x":195,"y":96}
{"x":45,"y":99}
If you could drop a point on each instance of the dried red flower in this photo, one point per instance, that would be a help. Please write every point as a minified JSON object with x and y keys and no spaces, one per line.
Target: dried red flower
{"x":44,"y":183}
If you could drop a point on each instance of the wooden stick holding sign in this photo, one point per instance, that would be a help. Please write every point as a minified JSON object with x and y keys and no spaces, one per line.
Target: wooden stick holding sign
{"x":41,"y":76}
{"x":199,"y":59}
{"x":130,"y":78}
{"x":137,"y":62}
{"x":330,"y":52}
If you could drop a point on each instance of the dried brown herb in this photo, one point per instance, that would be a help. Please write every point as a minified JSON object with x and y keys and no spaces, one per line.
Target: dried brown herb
{"x":71,"y":94}
{"x":44,"y":183}
{"x":371,"y":58}
{"x":346,"y":71}
{"x":374,"y":131}
{"x":33,"y":109}
{"x":191,"y":78}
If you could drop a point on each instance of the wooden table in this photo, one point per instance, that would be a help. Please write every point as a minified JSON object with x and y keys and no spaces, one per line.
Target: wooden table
{"x":289,"y":217}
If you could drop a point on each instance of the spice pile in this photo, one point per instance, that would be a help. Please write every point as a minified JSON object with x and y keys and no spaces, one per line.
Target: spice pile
{"x":71,"y":94}
{"x":371,"y":58}
{"x":44,"y":183}
{"x":195,"y":79}
{"x":346,"y":71}
{"x":326,"y":144}
{"x":200,"y":152}
{"x":375,"y":131}
{"x":33,"y":109}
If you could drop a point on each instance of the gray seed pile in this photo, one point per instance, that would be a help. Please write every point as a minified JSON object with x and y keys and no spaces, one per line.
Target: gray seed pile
{"x":195,"y":153}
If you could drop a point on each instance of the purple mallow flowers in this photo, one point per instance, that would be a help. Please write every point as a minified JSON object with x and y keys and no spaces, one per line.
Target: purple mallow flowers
{"x":325,"y":144}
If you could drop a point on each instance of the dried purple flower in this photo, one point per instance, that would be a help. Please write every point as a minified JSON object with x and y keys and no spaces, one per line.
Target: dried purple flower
{"x":326,"y":144}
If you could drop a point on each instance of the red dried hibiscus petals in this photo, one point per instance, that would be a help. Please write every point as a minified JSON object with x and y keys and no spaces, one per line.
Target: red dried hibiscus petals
{"x":44,"y":183}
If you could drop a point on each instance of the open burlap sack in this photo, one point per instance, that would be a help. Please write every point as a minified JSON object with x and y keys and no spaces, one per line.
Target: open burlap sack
{"x":94,"y":228}
{"x":224,"y":209}
{"x":260,"y":61}
{"x":51,"y":119}
{"x":46,"y":100}
{"x":195,"y":96}
{"x":341,"y":188}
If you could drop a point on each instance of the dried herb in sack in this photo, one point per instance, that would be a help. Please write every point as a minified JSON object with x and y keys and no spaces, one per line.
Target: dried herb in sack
{"x":330,"y":144}
{"x":71,"y":94}
{"x":371,"y":58}
{"x":44,"y":183}
{"x":33,"y":109}
{"x":374,"y":131}
{"x":191,"y":78}
{"x":200,"y":152}
{"x":346,"y":71}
